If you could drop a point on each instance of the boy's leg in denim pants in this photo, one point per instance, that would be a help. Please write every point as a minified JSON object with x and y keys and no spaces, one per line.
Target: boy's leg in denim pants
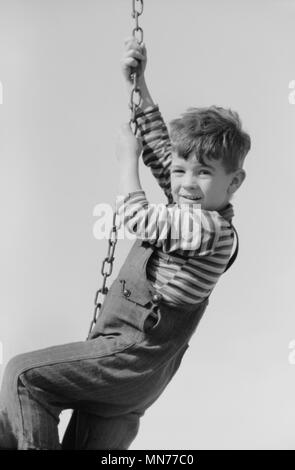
{"x":37,"y":386}
{"x":105,"y":377}
{"x":135,"y":349}
{"x":90,"y":432}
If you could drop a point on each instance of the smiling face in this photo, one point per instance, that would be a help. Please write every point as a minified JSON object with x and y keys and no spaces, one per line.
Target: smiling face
{"x":207,"y":184}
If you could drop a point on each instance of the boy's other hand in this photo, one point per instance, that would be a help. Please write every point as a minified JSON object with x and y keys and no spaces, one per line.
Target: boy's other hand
{"x":129,"y":147}
{"x":134,"y":59}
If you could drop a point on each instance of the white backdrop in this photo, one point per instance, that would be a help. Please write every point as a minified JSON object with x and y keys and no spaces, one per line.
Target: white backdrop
{"x":63,"y":100}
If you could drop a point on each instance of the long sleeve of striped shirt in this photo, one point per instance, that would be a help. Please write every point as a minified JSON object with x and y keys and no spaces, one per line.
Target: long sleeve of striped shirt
{"x":177,"y":227}
{"x":156,"y":146}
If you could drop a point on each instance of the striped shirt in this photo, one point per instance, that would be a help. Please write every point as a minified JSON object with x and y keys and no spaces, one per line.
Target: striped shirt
{"x":192,"y":246}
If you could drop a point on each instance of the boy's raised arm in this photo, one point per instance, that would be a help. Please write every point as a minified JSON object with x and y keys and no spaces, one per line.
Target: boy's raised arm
{"x":156,"y":144}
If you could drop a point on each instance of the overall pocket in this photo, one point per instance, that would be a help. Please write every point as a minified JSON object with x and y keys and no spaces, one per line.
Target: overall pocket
{"x":151,"y":320}
{"x":143,"y":312}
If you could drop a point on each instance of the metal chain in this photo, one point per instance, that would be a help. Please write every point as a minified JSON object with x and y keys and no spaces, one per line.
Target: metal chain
{"x":103,"y":290}
{"x":135,"y":100}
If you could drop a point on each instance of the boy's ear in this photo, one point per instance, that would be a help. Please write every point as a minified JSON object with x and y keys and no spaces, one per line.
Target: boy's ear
{"x":237,"y":179}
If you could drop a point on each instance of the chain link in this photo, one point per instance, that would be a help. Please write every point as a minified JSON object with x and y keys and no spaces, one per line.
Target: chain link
{"x":103,"y":290}
{"x":137,"y":32}
{"x":135,"y":100}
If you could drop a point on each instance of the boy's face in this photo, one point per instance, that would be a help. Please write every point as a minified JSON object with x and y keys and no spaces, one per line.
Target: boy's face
{"x":208,"y":183}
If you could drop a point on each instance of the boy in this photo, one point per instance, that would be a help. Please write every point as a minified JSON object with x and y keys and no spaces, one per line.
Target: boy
{"x":153,"y":307}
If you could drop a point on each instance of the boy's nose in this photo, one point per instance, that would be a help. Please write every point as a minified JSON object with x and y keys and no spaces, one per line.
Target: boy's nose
{"x":190,"y":183}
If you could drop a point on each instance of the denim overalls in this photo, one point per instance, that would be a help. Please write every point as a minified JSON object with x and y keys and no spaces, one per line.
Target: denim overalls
{"x":133,"y":352}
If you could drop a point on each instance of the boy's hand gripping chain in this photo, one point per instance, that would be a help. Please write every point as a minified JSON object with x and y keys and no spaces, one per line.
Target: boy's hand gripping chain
{"x":135,"y":100}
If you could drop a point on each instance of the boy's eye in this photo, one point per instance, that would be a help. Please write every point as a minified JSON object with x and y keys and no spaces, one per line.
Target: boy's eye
{"x":206,"y":172}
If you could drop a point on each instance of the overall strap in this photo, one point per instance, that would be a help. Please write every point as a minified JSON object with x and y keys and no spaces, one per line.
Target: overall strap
{"x":233,"y":257}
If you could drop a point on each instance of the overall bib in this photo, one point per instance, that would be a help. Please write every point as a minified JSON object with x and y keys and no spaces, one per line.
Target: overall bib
{"x":134,"y":350}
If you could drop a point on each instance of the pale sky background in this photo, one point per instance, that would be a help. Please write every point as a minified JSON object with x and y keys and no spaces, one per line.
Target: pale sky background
{"x":63,"y":101}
